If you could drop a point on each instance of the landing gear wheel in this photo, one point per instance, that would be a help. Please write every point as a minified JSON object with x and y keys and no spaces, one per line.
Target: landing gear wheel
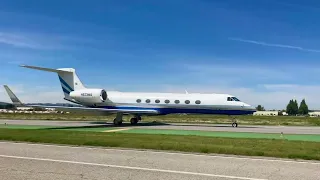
{"x":234,"y":124}
{"x":116,"y":123}
{"x":133,"y":121}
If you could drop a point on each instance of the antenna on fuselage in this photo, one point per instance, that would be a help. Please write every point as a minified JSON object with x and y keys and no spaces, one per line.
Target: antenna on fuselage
{"x":186,"y":92}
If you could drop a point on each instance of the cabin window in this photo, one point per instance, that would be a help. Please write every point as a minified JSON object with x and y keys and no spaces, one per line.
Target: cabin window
{"x":148,"y":101}
{"x":157,"y":101}
{"x":198,"y":102}
{"x":187,"y":101}
{"x":138,"y":100}
{"x":177,"y":101}
{"x":167,"y":101}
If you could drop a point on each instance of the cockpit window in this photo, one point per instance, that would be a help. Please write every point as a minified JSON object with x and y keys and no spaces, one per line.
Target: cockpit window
{"x":236,"y":99}
{"x":232,"y":99}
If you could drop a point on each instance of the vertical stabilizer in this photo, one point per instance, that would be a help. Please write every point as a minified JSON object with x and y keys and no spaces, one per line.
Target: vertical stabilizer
{"x":68,"y":79}
{"x":12,"y":96}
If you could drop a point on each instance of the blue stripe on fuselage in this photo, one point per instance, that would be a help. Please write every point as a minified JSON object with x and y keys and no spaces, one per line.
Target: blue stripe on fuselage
{"x":64,"y":83}
{"x":164,"y":111}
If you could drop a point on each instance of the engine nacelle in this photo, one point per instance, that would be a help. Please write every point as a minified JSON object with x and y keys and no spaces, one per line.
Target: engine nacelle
{"x":89,"y":96}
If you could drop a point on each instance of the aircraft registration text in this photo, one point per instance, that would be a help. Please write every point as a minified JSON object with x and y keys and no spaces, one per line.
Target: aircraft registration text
{"x":86,"y":94}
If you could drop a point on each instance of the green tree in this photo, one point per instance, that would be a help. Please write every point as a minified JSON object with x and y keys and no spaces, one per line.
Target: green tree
{"x":260,"y":108}
{"x":303,"y":108}
{"x":289,"y":108}
{"x":295,"y":107}
{"x":292,"y":107}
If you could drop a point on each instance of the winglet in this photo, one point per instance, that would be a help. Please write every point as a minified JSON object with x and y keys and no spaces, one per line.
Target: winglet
{"x":12,"y":96}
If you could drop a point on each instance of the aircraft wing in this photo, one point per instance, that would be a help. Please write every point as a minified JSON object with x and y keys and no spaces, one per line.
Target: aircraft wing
{"x":17,"y":102}
{"x":98,"y":110}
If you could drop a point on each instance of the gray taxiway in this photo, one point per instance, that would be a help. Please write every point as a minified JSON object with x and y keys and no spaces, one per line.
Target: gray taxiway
{"x":179,"y":126}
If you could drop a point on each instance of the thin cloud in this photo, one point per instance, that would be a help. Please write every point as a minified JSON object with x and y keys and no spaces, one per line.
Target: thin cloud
{"x":40,"y":41}
{"x":20,"y":41}
{"x":274,"y":45}
{"x":279,"y":86}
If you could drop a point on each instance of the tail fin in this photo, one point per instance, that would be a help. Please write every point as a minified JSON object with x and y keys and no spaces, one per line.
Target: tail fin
{"x":68,"y":79}
{"x":13,"y":97}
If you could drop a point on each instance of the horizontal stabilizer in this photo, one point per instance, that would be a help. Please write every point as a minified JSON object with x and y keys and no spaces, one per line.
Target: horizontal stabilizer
{"x":49,"y":69}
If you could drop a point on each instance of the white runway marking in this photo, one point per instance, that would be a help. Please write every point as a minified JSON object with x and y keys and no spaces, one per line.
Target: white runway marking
{"x":130,"y":167}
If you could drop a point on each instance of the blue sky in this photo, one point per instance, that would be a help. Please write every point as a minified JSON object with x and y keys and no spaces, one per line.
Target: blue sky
{"x":262,"y":51}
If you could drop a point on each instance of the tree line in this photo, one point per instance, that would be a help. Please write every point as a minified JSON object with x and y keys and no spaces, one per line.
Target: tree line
{"x":292,"y":108}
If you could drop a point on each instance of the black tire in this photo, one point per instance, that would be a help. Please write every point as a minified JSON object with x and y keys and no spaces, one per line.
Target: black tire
{"x":117,"y":124}
{"x":133,"y":121}
{"x":234,"y":124}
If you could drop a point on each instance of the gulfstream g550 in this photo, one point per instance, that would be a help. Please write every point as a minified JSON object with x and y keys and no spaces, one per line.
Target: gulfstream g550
{"x":143,"y":103}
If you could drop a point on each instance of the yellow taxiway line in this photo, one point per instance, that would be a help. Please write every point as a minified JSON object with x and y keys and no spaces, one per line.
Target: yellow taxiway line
{"x":116,"y":130}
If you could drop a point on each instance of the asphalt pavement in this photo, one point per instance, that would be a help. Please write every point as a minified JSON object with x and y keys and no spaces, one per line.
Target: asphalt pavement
{"x":37,"y":161}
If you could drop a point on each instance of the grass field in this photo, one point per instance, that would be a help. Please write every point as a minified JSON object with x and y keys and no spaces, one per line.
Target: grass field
{"x":216,"y":119}
{"x":238,"y":146}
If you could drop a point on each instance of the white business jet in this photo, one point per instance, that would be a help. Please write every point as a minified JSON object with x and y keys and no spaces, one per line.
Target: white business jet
{"x":139,"y":104}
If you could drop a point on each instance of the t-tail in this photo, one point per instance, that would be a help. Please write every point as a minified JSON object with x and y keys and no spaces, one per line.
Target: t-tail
{"x":68,"y":79}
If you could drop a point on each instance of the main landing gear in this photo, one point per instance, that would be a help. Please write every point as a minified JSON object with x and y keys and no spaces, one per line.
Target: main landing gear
{"x":118,"y":120}
{"x":234,"y":122}
{"x":135,"y":120}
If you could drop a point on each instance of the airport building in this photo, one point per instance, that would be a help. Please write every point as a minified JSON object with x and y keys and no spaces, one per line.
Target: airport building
{"x":314,"y":114}
{"x":266,"y":113}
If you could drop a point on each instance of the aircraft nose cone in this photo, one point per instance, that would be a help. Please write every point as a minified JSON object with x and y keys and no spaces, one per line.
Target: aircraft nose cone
{"x":248,"y":107}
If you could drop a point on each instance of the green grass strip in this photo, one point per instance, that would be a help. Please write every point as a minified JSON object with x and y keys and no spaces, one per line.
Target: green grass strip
{"x":300,"y":137}
{"x":239,"y":146}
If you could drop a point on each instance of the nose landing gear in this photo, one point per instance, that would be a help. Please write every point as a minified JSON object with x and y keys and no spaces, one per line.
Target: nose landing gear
{"x":234,"y":122}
